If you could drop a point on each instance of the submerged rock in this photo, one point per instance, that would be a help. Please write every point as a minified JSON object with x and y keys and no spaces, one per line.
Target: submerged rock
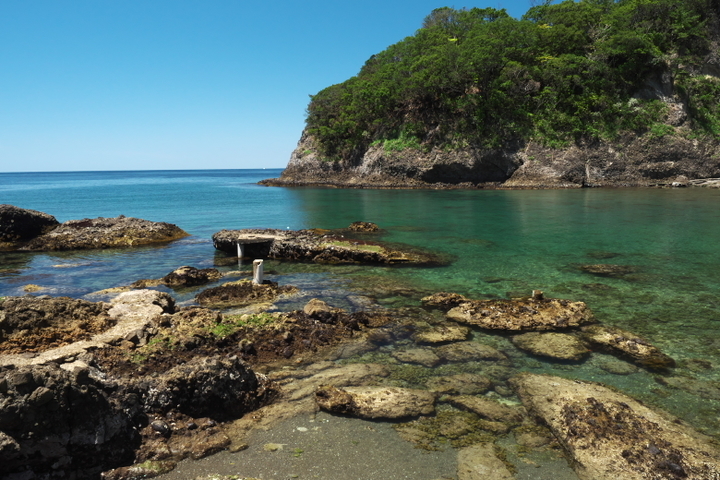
{"x":560,"y":346}
{"x":102,"y":232}
{"x":18,"y":225}
{"x":469,"y":352}
{"x":524,"y":314}
{"x":609,"y":270}
{"x":487,"y":408}
{"x":242,"y":292}
{"x":479,"y":462}
{"x":448,"y":332}
{"x":626,"y":344}
{"x":422,"y":356}
{"x":376,"y":402}
{"x":610,"y":436}
{"x":460,"y":384}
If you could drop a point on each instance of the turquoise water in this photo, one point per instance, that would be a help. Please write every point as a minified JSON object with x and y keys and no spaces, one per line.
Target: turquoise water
{"x":503,"y":243}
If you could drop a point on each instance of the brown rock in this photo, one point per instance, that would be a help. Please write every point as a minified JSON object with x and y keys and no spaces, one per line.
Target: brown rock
{"x":187,"y":276}
{"x":19,"y":225}
{"x":461,"y":384}
{"x":487,"y":408}
{"x":626,"y":344}
{"x":447,"y":332}
{"x":242,"y":292}
{"x":422,"y":356}
{"x":468,"y":352}
{"x":375,"y":402}
{"x":554,"y":345}
{"x":479,"y":462}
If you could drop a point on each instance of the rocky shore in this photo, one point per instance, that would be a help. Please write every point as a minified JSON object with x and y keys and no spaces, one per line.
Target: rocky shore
{"x":29,"y":230}
{"x":631,"y":161}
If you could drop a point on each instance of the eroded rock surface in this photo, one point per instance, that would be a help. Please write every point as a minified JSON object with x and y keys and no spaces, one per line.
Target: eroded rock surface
{"x":242,"y":292}
{"x":187,"y":276}
{"x":479,"y":462}
{"x":320,"y":246}
{"x":90,"y":233}
{"x":375,"y":402}
{"x":626,"y":344}
{"x":610,"y":436}
{"x":560,"y":346}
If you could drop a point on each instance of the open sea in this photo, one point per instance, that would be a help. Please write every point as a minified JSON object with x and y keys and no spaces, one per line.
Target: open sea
{"x":502,"y":244}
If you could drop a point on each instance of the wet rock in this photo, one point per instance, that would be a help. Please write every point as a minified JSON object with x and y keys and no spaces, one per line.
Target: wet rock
{"x":366,"y":227}
{"x":554,"y":345}
{"x":375,"y":402}
{"x":18,"y":225}
{"x":242,"y":292}
{"x":524,"y":314}
{"x":448,"y":332}
{"x":480,"y":462}
{"x":421,"y":356}
{"x":468,"y":352}
{"x":626,"y":344}
{"x":461,"y":384}
{"x":187,"y":276}
{"x":609,"y":435}
{"x":533,"y":438}
{"x":104,"y":233}
{"x":147,"y":469}
{"x":317,"y":308}
{"x":33,"y":324}
{"x":487,"y":408}
{"x":702,"y":388}
{"x":609,"y":270}
{"x":617,"y":367}
{"x":444,"y":300}
{"x":53,"y":424}
{"x":322,"y":246}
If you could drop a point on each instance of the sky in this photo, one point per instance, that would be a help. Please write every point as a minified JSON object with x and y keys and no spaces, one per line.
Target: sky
{"x":174,"y":85}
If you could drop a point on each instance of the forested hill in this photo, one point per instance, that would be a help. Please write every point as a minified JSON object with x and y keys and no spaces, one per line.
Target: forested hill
{"x":630,"y":87}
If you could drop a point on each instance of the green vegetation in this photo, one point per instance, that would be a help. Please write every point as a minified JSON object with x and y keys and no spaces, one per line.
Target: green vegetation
{"x":233,"y":323}
{"x":566,"y":72}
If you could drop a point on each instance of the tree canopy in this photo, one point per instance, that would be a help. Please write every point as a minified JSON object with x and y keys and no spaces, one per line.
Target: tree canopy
{"x":564,"y":72}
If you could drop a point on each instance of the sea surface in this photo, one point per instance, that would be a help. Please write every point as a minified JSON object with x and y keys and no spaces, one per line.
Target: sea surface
{"x":502,"y":244}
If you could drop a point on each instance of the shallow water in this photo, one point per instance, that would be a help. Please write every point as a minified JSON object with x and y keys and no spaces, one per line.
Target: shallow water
{"x":503,"y":243}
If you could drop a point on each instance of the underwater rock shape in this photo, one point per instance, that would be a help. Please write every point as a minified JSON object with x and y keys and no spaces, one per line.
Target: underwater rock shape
{"x":487,"y":408}
{"x":447,"y":332}
{"x":460,"y":384}
{"x":119,"y":232}
{"x":444,"y":300}
{"x":560,"y":346}
{"x":468,"y":352}
{"x":609,"y":270}
{"x":610,"y":436}
{"x":242,"y":292}
{"x":626,"y":344}
{"x":375,"y":402}
{"x":523,"y":314}
{"x":479,"y":462}
{"x":422,"y":356}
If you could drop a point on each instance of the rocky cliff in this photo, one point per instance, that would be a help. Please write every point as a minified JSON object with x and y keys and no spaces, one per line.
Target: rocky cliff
{"x":633,"y":160}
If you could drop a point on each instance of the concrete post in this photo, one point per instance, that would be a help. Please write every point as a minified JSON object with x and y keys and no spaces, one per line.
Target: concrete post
{"x":241,"y":250}
{"x":258,"y":272}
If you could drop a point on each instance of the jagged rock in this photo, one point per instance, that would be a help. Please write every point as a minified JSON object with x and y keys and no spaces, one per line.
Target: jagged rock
{"x":525,"y":314}
{"x":468,"y":352}
{"x":423,"y":356}
{"x":319,"y":246}
{"x":102,"y":232}
{"x":366,"y":227}
{"x":56,"y":424}
{"x":487,"y":408}
{"x":551,"y":344}
{"x":626,"y":344}
{"x":610,"y":436}
{"x":460,"y":384}
{"x":444,"y":300}
{"x":448,"y":332}
{"x":479,"y":462}
{"x":187,"y":276}
{"x":375,"y":402}
{"x":19,"y":225}
{"x":317,"y":308}
{"x":34,"y":324}
{"x":242,"y":292}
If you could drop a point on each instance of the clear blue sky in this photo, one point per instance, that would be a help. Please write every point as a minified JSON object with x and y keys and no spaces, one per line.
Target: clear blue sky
{"x":160,"y":84}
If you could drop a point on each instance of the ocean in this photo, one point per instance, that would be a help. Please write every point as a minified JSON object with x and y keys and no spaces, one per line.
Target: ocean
{"x":502,"y":244}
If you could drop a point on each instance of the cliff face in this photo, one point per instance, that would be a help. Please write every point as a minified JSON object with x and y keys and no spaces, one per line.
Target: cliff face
{"x":631,"y":161}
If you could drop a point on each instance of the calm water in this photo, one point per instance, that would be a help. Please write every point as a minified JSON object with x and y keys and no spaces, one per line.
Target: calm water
{"x":502,"y":242}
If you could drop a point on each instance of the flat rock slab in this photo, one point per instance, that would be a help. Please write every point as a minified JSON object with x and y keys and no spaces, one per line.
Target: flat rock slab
{"x":422,"y":356}
{"x":627,"y":344}
{"x":450,"y":332}
{"x":376,"y":402}
{"x":119,"y":232}
{"x":468,"y":352}
{"x":560,"y":346}
{"x":241,"y":293}
{"x":479,"y":462}
{"x":522,"y":314}
{"x":460,"y":384}
{"x":320,"y":246}
{"x":487,"y":408}
{"x":610,"y":436}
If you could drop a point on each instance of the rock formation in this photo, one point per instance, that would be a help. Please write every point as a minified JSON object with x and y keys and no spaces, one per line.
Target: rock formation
{"x":18,"y":225}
